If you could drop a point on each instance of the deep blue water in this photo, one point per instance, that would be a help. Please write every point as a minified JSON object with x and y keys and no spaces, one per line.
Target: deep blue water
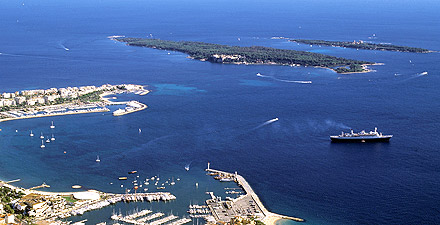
{"x":200,"y":112}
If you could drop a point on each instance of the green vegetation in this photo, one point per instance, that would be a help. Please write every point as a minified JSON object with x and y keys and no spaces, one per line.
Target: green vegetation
{"x":258,"y":222}
{"x":245,"y":221}
{"x":248,"y":55}
{"x":69,"y":199}
{"x":91,"y":97}
{"x":352,"y":69}
{"x":362,"y":45}
{"x":7,"y":195}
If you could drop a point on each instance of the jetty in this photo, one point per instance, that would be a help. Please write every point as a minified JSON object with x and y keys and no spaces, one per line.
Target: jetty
{"x":150,"y":217}
{"x":154,"y":219}
{"x":44,"y":185}
{"x":244,"y":205}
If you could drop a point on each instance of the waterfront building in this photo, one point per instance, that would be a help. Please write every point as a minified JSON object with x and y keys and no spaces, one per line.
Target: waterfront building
{"x":50,"y":98}
{"x":8,"y":95}
{"x":7,"y":102}
{"x":20,"y":100}
{"x":40,"y":100}
{"x":51,"y":91}
{"x":31,"y":101}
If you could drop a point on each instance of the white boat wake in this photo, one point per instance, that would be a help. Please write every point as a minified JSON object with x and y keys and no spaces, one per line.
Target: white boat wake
{"x":266,"y":123}
{"x":286,"y":81}
{"x":411,"y":76}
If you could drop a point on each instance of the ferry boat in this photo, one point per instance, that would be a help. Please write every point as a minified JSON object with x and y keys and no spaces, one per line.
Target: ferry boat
{"x":133,"y":172}
{"x":122,"y":178}
{"x":372,"y":136}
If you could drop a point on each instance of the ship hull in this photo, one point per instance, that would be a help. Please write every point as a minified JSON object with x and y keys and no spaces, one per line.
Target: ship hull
{"x":358,"y":139}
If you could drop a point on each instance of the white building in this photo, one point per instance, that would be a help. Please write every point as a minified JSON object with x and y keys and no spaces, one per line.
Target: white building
{"x":8,"y":95}
{"x":50,"y":98}
{"x":7,"y":102}
{"x":50,"y":91}
{"x":20,"y":100}
{"x":10,"y":219}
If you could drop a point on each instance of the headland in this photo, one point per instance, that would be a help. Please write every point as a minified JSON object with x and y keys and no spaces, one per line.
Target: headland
{"x":66,"y":101}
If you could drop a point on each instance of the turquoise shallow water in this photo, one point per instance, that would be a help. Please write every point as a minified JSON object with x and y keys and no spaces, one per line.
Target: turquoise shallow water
{"x":200,"y":112}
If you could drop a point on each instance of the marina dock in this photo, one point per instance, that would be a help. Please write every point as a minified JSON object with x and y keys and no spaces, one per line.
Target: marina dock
{"x":44,"y":185}
{"x":153,"y":219}
{"x":243,"y":205}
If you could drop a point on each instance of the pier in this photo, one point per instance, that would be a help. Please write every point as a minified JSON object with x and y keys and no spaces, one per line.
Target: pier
{"x":248,"y":204}
{"x":44,"y":185}
{"x":12,"y":181}
{"x":163,"y":220}
{"x":151,"y":219}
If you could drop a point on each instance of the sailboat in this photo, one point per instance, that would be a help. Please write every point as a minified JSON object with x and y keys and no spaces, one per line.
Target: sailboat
{"x":41,"y":136}
{"x":97,"y":159}
{"x":140,"y":130}
{"x":47,"y":140}
{"x":53,"y":138}
{"x":52,"y":126}
{"x":42,"y":144}
{"x":31,"y":134}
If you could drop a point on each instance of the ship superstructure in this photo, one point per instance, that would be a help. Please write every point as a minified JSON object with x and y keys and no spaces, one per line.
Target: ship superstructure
{"x":372,"y":136}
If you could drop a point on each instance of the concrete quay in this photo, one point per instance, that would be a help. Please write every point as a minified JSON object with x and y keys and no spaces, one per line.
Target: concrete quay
{"x":248,"y":204}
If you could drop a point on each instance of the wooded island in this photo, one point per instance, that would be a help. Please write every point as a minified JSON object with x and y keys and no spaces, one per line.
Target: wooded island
{"x":217,"y":53}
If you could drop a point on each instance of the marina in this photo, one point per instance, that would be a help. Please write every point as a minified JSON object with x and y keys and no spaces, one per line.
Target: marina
{"x":247,"y":205}
{"x":153,"y":219}
{"x":46,"y":102}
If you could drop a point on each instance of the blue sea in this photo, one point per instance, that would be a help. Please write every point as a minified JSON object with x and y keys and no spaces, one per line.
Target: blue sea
{"x":199,"y":111}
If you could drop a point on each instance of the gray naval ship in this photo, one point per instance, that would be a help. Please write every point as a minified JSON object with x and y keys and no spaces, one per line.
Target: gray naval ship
{"x":372,"y":136}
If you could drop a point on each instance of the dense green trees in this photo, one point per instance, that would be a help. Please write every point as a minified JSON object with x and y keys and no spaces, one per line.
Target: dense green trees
{"x":7,"y":194}
{"x":236,"y":54}
{"x":362,"y":45}
{"x":352,"y":69}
